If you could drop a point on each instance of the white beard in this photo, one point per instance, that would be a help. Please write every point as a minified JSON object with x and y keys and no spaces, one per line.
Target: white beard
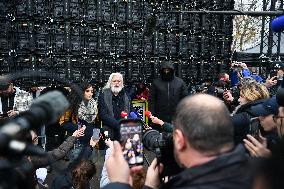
{"x":115,"y":90}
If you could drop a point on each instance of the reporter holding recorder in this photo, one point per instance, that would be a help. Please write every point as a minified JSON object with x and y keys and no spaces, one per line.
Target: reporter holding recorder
{"x":203,"y":145}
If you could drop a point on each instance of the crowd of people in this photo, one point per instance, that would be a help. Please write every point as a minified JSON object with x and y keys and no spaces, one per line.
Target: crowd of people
{"x":226,"y":136}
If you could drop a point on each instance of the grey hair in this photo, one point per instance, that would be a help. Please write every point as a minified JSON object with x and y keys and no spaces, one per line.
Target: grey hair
{"x":107,"y":86}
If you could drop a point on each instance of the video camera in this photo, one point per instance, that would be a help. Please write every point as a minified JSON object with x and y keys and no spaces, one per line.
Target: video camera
{"x":162,"y":145}
{"x":13,"y":145}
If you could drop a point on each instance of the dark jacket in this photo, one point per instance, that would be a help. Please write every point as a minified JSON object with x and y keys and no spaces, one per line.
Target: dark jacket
{"x":166,"y":94}
{"x":109,"y":111}
{"x":231,"y":170}
{"x":55,"y":154}
{"x":241,"y":120}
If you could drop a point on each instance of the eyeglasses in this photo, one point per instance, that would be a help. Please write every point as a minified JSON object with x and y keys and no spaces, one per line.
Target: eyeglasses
{"x":276,"y":117}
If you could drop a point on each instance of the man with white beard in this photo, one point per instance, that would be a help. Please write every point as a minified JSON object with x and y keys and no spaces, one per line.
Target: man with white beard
{"x":111,"y":102}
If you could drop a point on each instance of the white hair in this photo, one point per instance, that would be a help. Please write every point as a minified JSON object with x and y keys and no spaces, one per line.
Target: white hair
{"x":107,"y":86}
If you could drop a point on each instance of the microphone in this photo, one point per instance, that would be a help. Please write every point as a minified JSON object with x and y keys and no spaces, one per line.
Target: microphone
{"x":277,"y":24}
{"x":27,"y":149}
{"x":123,"y":115}
{"x":46,"y":109}
{"x":133,"y":115}
{"x":148,"y":114}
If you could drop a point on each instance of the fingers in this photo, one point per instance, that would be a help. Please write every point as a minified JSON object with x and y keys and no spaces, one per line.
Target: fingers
{"x":272,"y":78}
{"x":117,"y":150}
{"x":154,"y":163}
{"x":250,"y":147}
{"x":254,"y":141}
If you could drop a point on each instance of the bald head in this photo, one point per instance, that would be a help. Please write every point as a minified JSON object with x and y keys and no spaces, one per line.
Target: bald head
{"x":205,"y":121}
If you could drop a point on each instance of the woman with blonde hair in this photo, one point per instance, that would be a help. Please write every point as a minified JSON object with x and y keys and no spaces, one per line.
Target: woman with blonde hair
{"x":251,"y":94}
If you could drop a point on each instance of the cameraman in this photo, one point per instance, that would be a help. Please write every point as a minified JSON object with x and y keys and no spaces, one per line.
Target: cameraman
{"x":203,"y":145}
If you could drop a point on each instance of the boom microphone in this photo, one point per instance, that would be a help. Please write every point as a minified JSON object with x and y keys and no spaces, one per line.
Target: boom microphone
{"x":46,"y":109}
{"x":277,"y":24}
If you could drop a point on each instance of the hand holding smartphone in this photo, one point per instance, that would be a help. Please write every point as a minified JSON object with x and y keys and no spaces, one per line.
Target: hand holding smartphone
{"x":254,"y":127}
{"x":96,"y":134}
{"x":131,"y":141}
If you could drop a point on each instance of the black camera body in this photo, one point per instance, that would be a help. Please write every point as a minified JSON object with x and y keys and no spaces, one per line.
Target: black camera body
{"x":162,"y":145}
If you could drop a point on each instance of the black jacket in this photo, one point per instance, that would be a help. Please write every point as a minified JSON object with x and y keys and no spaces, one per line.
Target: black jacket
{"x":165,"y":95}
{"x":109,"y":109}
{"x":231,"y":170}
{"x":241,"y":120}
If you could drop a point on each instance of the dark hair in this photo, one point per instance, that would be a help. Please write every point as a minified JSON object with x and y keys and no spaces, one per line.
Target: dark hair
{"x":85,"y":85}
{"x":208,"y":128}
{"x":82,"y":174}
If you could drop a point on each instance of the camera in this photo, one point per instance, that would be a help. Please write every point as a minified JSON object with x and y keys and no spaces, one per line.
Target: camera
{"x":162,"y":145}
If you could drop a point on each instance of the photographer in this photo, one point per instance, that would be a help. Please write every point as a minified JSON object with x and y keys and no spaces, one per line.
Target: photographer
{"x":276,"y":75}
{"x":238,"y":70}
{"x":203,"y":145}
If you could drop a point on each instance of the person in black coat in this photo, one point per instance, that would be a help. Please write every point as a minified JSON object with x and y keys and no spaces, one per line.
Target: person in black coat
{"x":166,"y":92}
{"x":111,"y":102}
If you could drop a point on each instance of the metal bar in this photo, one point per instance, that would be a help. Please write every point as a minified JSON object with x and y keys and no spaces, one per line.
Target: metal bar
{"x":232,"y":12}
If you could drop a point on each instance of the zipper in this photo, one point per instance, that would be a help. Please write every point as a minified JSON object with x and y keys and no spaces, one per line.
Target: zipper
{"x":168,"y":94}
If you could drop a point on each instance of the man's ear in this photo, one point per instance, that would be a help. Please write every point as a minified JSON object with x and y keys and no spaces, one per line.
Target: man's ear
{"x":179,"y":140}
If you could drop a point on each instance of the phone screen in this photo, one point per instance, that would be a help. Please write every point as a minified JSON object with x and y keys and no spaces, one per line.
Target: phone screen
{"x":96,"y":134}
{"x":254,"y":127}
{"x":131,"y":140}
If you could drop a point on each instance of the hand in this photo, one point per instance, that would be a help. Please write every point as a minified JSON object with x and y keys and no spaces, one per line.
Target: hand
{"x":243,"y":65}
{"x":152,"y":177}
{"x":80,"y":132}
{"x":257,"y":148}
{"x":12,"y":113}
{"x":227,"y":95}
{"x":270,"y":82}
{"x":117,"y":167}
{"x":157,"y":120}
{"x":109,"y":143}
{"x":93,"y":143}
{"x":142,"y":98}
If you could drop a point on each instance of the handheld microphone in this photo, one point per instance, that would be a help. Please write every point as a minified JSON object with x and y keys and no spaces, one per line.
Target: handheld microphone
{"x":277,"y":24}
{"x":123,"y":115}
{"x":148,"y":114}
{"x":133,"y":115}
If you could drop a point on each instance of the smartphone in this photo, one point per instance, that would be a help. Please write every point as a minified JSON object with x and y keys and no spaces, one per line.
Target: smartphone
{"x":254,"y":127}
{"x":96,"y":134}
{"x":131,"y":141}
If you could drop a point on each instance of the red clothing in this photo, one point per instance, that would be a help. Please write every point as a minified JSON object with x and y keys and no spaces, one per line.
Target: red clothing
{"x":144,"y":94}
